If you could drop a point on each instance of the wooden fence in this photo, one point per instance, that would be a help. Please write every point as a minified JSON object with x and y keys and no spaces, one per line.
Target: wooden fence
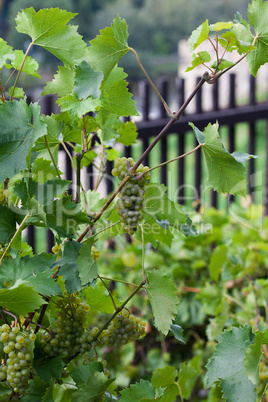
{"x":148,"y":128}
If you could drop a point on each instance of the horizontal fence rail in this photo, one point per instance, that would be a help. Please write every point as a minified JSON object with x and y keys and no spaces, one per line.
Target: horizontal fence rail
{"x":148,"y":127}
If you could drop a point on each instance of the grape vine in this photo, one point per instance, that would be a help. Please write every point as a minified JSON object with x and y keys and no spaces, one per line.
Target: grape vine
{"x":67,"y":329}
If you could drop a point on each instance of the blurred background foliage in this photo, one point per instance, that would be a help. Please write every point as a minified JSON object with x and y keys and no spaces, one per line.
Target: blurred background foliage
{"x":155,"y":26}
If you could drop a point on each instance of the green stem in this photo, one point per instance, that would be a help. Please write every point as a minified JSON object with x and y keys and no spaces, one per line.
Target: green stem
{"x":119,"y":280}
{"x":108,"y":227}
{"x":14,"y":237}
{"x":4,"y":87}
{"x":118,"y":309}
{"x":51,"y":156}
{"x":151,"y":82}
{"x":19,"y":72}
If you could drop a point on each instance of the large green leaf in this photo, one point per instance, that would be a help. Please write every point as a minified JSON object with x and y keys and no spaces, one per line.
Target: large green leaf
{"x":158,"y":206}
{"x":65,"y":216}
{"x":115,"y":96}
{"x":152,"y":231}
{"x":69,"y":267}
{"x":49,"y":368}
{"x":226,"y":365}
{"x":87,"y":268}
{"x":18,"y":135}
{"x":138,"y":391}
{"x":36,"y":390}
{"x":30,"y":65}
{"x":161,"y":291}
{"x":35,"y":272}
{"x":7,"y":224}
{"x":188,"y":375}
{"x":199,"y":35}
{"x":253,"y":356}
{"x":20,"y":299}
{"x":48,"y":29}
{"x":93,"y":388}
{"x":98,"y":299}
{"x":165,"y":376}
{"x":225,"y":173}
{"x":62,"y":84}
{"x":257,"y":17}
{"x":87,"y":81}
{"x":6,"y":52}
{"x":108,"y":47}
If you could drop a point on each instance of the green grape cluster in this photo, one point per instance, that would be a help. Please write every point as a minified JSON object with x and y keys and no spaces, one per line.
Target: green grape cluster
{"x":3,"y":196}
{"x":130,"y":201}
{"x":123,"y":329}
{"x":68,"y":338}
{"x":15,"y":369}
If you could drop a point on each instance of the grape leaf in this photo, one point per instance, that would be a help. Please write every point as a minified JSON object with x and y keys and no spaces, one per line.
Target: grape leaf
{"x":61,"y":393}
{"x":253,"y":356}
{"x":198,"y":59}
{"x":94,"y":386}
{"x":20,"y":299}
{"x":48,"y":29}
{"x":30,"y":65}
{"x":115,"y":95}
{"x":87,"y":81}
{"x":188,"y":375}
{"x":108,"y":47}
{"x":69,"y":267}
{"x":98,"y":299}
{"x":162,"y":296}
{"x":243,"y":156}
{"x":62,"y":83}
{"x":7,"y":224}
{"x":34,"y":271}
{"x":76,"y":107}
{"x":257,"y":17}
{"x":109,"y":124}
{"x":127,"y":133}
{"x":82,"y":373}
{"x":87,"y":268}
{"x":159,"y":206}
{"x":36,"y":389}
{"x":218,"y":259}
{"x":42,"y":170}
{"x":65,"y":216}
{"x":18,"y":92}
{"x":18,"y":135}
{"x":151,"y":231}
{"x":177,"y":332}
{"x":225,"y":173}
{"x":49,"y":368}
{"x":138,"y":391}
{"x":94,"y":201}
{"x":165,"y":376}
{"x":223,"y":65}
{"x":219,"y":26}
{"x":226,"y":365}
{"x":6,"y":52}
{"x":199,"y":35}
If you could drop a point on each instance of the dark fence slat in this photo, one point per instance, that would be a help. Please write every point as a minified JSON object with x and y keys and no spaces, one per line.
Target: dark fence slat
{"x":163,"y":156}
{"x":144,"y":92}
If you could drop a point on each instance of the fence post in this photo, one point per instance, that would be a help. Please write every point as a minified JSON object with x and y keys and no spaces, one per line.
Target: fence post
{"x":180,"y":84}
{"x":252,"y":134}
{"x":215,"y":107}
{"x":198,"y":165}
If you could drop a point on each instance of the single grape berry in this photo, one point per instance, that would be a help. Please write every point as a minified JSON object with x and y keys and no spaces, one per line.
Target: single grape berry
{"x":131,"y":197}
